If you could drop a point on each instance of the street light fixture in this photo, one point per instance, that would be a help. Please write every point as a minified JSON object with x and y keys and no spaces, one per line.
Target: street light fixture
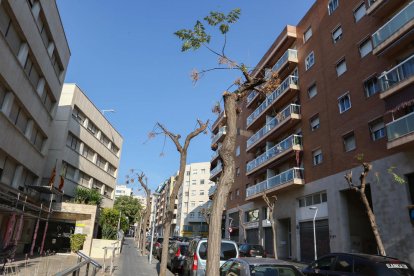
{"x":156,"y":195}
{"x":107,"y":110}
{"x":314,"y":229}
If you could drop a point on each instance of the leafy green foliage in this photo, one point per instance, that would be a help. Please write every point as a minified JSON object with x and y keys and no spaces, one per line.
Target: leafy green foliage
{"x":397,"y":178}
{"x":87,"y":196}
{"x":108,"y":220}
{"x":130,"y":207}
{"x":76,"y":242}
{"x":195,"y":38}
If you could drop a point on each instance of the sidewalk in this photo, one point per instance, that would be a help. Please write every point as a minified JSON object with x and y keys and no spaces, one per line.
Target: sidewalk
{"x":131,"y":263}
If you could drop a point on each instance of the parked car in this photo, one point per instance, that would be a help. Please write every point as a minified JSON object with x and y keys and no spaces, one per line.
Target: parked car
{"x":258,"y":267}
{"x":358,"y":264}
{"x":176,"y":256}
{"x":196,"y":257}
{"x":252,"y":250}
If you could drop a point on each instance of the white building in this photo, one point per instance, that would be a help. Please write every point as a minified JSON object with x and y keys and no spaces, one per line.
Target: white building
{"x":192,"y":197}
{"x":122,"y":190}
{"x":86,"y":148}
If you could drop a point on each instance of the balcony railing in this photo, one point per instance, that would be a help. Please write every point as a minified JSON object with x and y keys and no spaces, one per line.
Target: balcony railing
{"x":400,"y":127}
{"x":285,"y":113}
{"x":274,"y":151}
{"x":292,"y":54}
{"x":396,"y":75}
{"x":392,"y":26}
{"x":251,"y":96}
{"x":270,"y":183}
{"x":216,"y":170}
{"x":221,"y":132}
{"x":272,"y":97}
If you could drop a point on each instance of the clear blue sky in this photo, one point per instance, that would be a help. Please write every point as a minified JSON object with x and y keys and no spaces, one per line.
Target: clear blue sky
{"x":125,"y":57}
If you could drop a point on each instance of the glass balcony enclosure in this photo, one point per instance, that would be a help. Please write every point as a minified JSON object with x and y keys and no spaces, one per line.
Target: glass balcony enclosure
{"x":400,"y":127}
{"x":393,"y":25}
{"x":289,"y":54}
{"x":216,"y":170}
{"x":274,"y":151}
{"x":272,"y":97}
{"x":396,"y":75}
{"x":274,"y":181}
{"x":220,"y":133}
{"x":285,"y":113}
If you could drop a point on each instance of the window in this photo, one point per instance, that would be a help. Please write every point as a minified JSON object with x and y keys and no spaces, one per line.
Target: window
{"x":341,"y":67}
{"x":377,"y":129}
{"x":187,"y":183}
{"x":309,"y":61}
{"x":2,"y":162}
{"x":186,"y":193}
{"x":2,"y":95}
{"x":9,"y":31}
{"x":8,"y":171}
{"x":337,"y":34}
{"x":312,"y":91}
{"x":111,"y":170}
{"x":100,"y":162}
{"x":307,"y":34}
{"x":84,"y":179}
{"x":231,"y":195}
{"x":238,"y":192}
{"x":192,"y":203}
{"x":18,"y":117}
{"x":365,"y":48}
{"x":317,"y":157}
{"x":324,"y":197}
{"x":92,"y":128}
{"x":332,"y":6}
{"x":47,"y":99}
{"x":193,"y":192}
{"x":78,"y":115}
{"x":73,"y":142}
{"x":344,"y":263}
{"x":203,"y":171}
{"x":31,"y":71}
{"x":238,"y":151}
{"x":113,"y":148}
{"x":37,"y":138}
{"x":371,"y":86}
{"x":359,"y":12}
{"x":88,"y":153}
{"x":252,"y":215}
{"x":70,"y":172}
{"x":201,"y":192}
{"x":237,"y":171}
{"x":314,"y":122}
{"x":194,"y":172}
{"x":191,"y":214}
{"x":344,"y":103}
{"x":201,"y":181}
{"x":349,"y":141}
{"x":193,"y":182}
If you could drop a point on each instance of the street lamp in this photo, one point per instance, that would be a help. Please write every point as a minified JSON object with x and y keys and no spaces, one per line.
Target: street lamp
{"x":156,"y":195}
{"x":314,"y":229}
{"x":107,"y":110}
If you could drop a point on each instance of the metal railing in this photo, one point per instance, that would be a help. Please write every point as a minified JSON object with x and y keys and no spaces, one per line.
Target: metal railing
{"x":284,"y":177}
{"x":83,"y":260}
{"x":221,"y":132}
{"x":251,"y":96}
{"x":285,"y":113}
{"x":216,"y":170}
{"x":393,"y":25}
{"x":274,"y":151}
{"x":400,"y":127}
{"x":399,"y":73}
{"x":280,"y":90}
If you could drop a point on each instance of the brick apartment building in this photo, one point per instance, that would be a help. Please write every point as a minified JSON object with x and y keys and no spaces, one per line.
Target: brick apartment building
{"x":346,"y":72}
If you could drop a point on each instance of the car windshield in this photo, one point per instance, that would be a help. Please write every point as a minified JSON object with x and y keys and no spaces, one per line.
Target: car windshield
{"x":228,"y":251}
{"x":264,"y":270}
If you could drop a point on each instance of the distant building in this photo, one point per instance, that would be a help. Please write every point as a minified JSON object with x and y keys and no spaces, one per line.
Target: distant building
{"x":86,"y":148}
{"x":122,"y":190}
{"x":142,"y":199}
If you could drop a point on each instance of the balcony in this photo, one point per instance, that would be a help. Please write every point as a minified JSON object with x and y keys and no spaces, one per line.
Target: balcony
{"x":216,"y":138}
{"x":290,"y":112}
{"x":394,"y":29}
{"x":400,"y":132}
{"x":397,"y":78}
{"x":382,"y":8}
{"x":216,"y":171}
{"x":288,"y":179}
{"x":220,"y":119}
{"x":290,"y":56}
{"x":293,"y":142}
{"x":215,"y":155}
{"x":290,"y":83}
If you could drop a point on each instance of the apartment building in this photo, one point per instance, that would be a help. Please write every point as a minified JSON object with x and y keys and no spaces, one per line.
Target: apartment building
{"x":34,"y":55}
{"x":192,"y":197}
{"x":122,"y":190}
{"x":86,"y":148}
{"x":346,"y":90}
{"x":163,"y":192}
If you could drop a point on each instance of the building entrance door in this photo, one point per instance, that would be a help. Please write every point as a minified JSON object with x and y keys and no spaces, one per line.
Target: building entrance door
{"x":307,"y":252}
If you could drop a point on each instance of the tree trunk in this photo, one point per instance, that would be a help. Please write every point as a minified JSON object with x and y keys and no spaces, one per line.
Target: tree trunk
{"x":226,"y":181}
{"x":372,"y":221}
{"x":145,"y":223}
{"x":273,"y":223}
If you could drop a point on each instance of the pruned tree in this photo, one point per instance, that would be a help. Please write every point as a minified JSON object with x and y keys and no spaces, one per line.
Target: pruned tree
{"x":250,"y":80}
{"x":142,"y":179}
{"x":206,"y":212}
{"x":182,"y":149}
{"x":366,"y":168}
{"x":241,"y":224}
{"x":271,"y":207}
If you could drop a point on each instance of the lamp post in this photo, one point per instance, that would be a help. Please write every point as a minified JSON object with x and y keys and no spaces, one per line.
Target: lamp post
{"x":107,"y":110}
{"x":153,"y":226}
{"x":314,"y":229}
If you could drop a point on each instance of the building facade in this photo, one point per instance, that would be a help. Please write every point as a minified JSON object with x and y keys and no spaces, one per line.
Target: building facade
{"x":86,"y":148}
{"x":346,"y":93}
{"x":122,"y":190}
{"x":34,"y":55}
{"x":192,"y":199}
